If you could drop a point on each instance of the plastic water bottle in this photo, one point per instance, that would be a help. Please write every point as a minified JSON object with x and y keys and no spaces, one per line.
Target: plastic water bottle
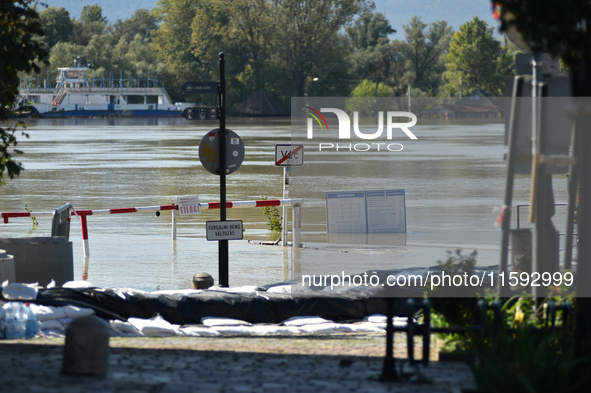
{"x":10,"y":310}
{"x":2,"y":323}
{"x":21,"y":320}
{"x":31,"y":326}
{"x":16,"y":320}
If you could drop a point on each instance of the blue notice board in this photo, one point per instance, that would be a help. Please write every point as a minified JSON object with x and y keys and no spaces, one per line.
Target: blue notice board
{"x":375,"y":211}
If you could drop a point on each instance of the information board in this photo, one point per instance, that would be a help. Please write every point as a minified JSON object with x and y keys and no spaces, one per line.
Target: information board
{"x":359,"y":212}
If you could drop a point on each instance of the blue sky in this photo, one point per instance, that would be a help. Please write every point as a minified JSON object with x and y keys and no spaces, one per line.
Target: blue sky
{"x":398,"y":12}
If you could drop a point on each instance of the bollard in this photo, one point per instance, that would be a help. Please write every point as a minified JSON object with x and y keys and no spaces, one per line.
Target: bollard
{"x":86,"y":350}
{"x":7,"y":268}
{"x":202,"y":281}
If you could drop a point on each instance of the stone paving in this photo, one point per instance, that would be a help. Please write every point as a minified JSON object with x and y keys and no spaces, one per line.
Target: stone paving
{"x":344,"y":363}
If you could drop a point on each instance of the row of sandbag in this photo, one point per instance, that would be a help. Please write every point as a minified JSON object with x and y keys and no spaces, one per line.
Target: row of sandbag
{"x":189,"y":307}
{"x":53,"y":322}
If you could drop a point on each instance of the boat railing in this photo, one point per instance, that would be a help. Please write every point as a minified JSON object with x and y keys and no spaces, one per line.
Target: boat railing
{"x":94,"y":90}
{"x":60,"y":96}
{"x":36,"y":90}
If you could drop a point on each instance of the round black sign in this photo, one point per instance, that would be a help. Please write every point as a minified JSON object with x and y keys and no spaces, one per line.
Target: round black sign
{"x":209,"y":151}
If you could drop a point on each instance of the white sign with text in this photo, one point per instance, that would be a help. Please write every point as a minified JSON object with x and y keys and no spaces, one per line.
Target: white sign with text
{"x":188,"y":205}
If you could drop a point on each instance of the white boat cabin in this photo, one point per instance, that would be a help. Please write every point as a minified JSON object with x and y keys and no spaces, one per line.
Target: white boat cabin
{"x":76,"y":91}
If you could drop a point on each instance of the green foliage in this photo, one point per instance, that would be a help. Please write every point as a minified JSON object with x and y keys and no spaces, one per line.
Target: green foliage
{"x":374,"y":58}
{"x":142,"y":23}
{"x":524,"y":362}
{"x":92,"y":13}
{"x":426,"y":46}
{"x":561,"y":29}
{"x":276,"y":45}
{"x":57,"y":25}
{"x":272,"y":214}
{"x":84,"y":32}
{"x":173,"y":45}
{"x":19,"y":52}
{"x":308,"y":34}
{"x":454,"y":311}
{"x":478,"y":59}
{"x":368,"y":88}
{"x":91,"y":24}
{"x":360,"y":98}
{"x":33,"y":218}
{"x":511,"y":358}
{"x":520,"y":360}
{"x":370,"y":30}
{"x":517,"y":360}
{"x":63,"y":54}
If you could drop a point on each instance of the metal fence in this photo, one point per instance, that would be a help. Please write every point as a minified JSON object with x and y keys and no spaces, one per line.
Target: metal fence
{"x":483,"y":326}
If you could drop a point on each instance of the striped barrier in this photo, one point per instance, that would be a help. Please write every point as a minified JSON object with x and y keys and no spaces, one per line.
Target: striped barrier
{"x":294,"y":203}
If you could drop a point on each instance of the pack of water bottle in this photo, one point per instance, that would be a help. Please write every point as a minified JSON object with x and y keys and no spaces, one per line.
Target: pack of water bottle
{"x":18,"y":322}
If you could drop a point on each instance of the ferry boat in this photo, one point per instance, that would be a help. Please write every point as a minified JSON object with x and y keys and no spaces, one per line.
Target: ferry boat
{"x":74,"y":96}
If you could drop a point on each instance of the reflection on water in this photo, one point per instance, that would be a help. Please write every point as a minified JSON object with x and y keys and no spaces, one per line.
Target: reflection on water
{"x":378,"y":239}
{"x":453,"y":177}
{"x":115,"y":163}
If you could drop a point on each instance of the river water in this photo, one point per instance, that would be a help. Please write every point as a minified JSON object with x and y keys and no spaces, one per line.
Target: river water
{"x":453,"y":178}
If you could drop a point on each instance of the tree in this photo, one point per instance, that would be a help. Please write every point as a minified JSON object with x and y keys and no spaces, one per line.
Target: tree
{"x":477,"y":59}
{"x":142,"y":57}
{"x":308,"y":35}
{"x":361,"y":101}
{"x":370,"y":30}
{"x":92,"y":13}
{"x":396,"y":78}
{"x":63,"y":54}
{"x":424,"y":52}
{"x":373,"y":57}
{"x":367,"y":89}
{"x":173,"y":44}
{"x":141,"y":23}
{"x":19,"y":52}
{"x":91,"y":23}
{"x":57,"y":25}
{"x":120,"y":62}
{"x":252,"y":31}
{"x":244,"y":31}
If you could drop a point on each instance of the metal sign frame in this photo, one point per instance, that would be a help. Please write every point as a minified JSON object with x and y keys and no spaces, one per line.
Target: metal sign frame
{"x":201,"y":87}
{"x":224,"y":230}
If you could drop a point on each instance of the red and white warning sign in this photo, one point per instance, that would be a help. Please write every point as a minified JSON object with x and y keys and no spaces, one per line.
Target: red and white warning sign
{"x":289,"y":155}
{"x":188,"y":205}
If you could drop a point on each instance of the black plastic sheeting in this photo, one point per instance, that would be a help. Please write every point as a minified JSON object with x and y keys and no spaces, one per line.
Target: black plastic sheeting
{"x":183,"y":308}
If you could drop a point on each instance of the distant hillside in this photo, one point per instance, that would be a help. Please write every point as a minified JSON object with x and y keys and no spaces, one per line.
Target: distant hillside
{"x":398,"y":12}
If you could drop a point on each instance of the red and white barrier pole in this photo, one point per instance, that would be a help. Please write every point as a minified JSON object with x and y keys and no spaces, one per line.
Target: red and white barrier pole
{"x":5,"y":216}
{"x":294,"y":203}
{"x":84,"y":226}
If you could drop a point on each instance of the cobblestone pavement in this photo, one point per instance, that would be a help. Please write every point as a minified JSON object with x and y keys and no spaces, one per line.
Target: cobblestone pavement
{"x":347,"y":363}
